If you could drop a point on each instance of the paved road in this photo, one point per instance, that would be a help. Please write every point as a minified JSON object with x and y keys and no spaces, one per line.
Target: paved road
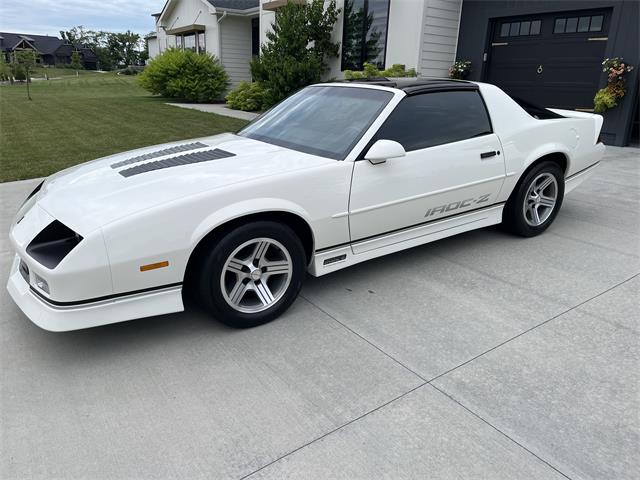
{"x":480,"y":356}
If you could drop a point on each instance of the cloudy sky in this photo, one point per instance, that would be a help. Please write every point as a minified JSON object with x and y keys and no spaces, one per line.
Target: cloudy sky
{"x":48,"y":17}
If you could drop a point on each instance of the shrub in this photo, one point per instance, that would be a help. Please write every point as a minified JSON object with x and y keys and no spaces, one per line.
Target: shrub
{"x":298,"y":49}
{"x":19,"y":73}
{"x":246,"y":96}
{"x":184,"y":74}
{"x":5,"y":70}
{"x":371,"y":71}
{"x":129,"y":71}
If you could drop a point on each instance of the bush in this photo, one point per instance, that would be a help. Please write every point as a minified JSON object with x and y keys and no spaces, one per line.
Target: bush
{"x":246,"y":96}
{"x":129,"y":71}
{"x":371,"y":71}
{"x":184,"y":74}
{"x":297,"y":51}
{"x":19,"y":73}
{"x":5,"y":69}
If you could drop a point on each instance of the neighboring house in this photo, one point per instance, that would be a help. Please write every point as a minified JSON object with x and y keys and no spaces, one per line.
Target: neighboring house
{"x":226,"y":28}
{"x":52,"y":50}
{"x":546,"y":51}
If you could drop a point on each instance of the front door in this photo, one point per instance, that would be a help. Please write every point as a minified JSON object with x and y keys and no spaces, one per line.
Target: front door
{"x":454,"y":164}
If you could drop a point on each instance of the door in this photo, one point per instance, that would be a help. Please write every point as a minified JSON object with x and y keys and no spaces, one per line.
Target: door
{"x":552,"y":60}
{"x":453,"y":165}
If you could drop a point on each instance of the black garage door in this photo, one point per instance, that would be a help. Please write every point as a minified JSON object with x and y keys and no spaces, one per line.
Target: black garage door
{"x":550,"y":59}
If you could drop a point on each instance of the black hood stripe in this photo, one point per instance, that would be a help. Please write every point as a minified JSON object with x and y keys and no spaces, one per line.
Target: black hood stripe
{"x":187,"y":159}
{"x":160,"y":153}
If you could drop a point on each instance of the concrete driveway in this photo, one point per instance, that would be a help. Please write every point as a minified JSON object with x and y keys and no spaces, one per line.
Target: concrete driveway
{"x":480,"y":356}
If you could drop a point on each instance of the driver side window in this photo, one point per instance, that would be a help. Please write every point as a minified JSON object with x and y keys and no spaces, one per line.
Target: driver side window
{"x":430,"y":119}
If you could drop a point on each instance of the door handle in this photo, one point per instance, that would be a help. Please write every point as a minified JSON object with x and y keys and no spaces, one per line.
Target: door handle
{"x":493,"y":153}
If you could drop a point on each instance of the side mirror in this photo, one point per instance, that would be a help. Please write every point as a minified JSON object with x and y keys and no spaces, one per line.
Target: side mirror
{"x":383,"y":150}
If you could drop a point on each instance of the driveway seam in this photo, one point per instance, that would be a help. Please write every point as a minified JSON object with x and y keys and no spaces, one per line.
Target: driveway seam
{"x":592,"y":244}
{"x":499,"y":431}
{"x":533,"y":328}
{"x":334,"y":430}
{"x":622,"y":209}
{"x":366,"y":340}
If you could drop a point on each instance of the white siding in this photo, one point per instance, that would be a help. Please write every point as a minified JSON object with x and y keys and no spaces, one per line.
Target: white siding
{"x":154,"y":49}
{"x":235,"y":48}
{"x":439,"y":37}
{"x":403,"y":34}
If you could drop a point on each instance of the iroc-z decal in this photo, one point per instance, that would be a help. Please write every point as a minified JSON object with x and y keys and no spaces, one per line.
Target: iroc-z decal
{"x":456,"y":205}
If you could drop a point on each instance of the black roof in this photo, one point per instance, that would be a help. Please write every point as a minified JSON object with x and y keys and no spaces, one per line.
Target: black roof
{"x":235,"y":4}
{"x":43,"y":43}
{"x":419,"y":85}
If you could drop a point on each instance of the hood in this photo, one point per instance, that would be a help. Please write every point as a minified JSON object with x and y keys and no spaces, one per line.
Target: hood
{"x":93,"y":194}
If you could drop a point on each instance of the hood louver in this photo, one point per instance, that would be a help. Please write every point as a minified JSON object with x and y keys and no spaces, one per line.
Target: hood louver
{"x":189,"y":158}
{"x":160,"y":153}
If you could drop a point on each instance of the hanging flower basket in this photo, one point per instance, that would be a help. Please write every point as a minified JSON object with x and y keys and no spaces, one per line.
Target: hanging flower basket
{"x":460,"y":69}
{"x":608,"y":97}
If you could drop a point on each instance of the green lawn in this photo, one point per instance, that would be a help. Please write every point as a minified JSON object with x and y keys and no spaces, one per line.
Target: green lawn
{"x":70,"y":121}
{"x":54,"y":72}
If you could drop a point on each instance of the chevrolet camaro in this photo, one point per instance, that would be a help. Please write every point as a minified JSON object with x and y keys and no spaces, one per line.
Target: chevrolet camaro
{"x":334,"y":175}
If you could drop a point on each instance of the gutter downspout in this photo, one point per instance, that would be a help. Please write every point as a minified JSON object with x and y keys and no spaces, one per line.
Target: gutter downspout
{"x":219,"y":20}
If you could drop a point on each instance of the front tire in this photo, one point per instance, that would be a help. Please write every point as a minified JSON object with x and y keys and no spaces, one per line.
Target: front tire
{"x":253,"y":274}
{"x":536,"y":200}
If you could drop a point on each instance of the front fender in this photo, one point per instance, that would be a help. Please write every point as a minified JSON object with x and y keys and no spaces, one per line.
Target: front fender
{"x":243,"y":209}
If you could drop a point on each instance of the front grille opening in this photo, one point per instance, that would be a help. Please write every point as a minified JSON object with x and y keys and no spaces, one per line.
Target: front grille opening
{"x":52,"y":244}
{"x":24,"y":270}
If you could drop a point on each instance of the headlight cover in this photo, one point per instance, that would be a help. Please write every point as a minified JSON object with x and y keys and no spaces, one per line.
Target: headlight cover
{"x":52,"y":244}
{"x":35,"y":190}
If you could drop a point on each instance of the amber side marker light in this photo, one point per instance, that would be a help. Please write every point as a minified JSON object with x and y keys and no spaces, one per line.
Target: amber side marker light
{"x":153,"y":266}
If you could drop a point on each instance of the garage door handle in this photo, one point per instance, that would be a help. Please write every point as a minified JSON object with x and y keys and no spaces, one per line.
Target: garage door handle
{"x":489,"y":154}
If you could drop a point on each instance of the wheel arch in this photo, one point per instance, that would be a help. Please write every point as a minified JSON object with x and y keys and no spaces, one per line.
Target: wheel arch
{"x":556,"y":155}
{"x":293,"y":220}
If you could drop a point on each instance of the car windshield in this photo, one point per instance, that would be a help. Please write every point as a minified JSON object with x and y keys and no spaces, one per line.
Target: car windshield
{"x":322,"y":120}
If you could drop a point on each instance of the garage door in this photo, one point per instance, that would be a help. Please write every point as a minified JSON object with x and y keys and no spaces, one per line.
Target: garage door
{"x":551,"y":59}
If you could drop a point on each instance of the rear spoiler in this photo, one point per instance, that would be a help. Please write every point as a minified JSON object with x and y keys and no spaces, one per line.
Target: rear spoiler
{"x":598,"y":119}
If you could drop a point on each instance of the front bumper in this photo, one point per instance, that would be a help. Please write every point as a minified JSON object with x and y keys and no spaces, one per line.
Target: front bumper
{"x":57,"y":318}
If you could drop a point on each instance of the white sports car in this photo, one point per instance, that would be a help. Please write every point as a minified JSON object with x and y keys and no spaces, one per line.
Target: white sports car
{"x":334,"y":175}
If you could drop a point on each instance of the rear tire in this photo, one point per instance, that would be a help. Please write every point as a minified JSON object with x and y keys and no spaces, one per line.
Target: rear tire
{"x":252,"y":274}
{"x":536,"y":200}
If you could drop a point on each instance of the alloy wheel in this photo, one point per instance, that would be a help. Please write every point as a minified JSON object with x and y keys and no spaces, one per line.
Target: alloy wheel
{"x":256,"y":275}
{"x":540,"y":199}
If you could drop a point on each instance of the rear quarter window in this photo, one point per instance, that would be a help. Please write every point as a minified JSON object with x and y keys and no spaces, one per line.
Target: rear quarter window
{"x":430,"y":119}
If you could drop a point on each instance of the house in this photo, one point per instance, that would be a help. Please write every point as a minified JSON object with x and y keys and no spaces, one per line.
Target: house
{"x":226,"y":28}
{"x":52,"y":50}
{"x":546,"y":51}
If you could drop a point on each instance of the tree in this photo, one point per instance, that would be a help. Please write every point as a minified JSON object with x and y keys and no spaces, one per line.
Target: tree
{"x":23,"y":62}
{"x":123,"y":47}
{"x":77,"y":36}
{"x":298,"y":49}
{"x":76,"y":64}
{"x":113,"y":49}
{"x":5,"y":69}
